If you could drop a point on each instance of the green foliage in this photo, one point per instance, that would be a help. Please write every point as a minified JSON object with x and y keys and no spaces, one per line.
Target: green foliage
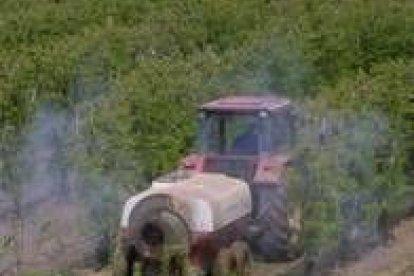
{"x":133,"y":73}
{"x":354,"y":152}
{"x":157,"y":53}
{"x":341,"y":37}
{"x":387,"y":89}
{"x":339,"y":152}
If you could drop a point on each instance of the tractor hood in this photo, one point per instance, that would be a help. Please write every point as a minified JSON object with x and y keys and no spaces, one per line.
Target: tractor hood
{"x":206,"y":201}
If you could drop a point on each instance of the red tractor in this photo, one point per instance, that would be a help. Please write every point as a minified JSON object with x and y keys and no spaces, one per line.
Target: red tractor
{"x":226,"y":201}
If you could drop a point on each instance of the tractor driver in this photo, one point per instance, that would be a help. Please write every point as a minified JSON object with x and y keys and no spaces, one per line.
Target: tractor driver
{"x":247,"y":143}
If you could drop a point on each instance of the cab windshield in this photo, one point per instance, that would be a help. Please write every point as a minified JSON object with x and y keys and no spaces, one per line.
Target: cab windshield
{"x":230,"y":134}
{"x":244,"y":134}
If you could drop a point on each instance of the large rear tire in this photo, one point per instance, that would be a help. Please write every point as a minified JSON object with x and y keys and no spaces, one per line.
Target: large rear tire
{"x":281,"y":235}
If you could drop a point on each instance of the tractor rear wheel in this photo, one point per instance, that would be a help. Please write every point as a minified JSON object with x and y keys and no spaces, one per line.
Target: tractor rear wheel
{"x":281,"y":232}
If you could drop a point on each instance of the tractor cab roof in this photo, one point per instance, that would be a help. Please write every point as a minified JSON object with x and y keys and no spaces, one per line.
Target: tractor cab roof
{"x":246,"y":104}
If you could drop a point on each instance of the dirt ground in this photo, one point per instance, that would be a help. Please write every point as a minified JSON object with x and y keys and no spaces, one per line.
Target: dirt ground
{"x":394,"y":259}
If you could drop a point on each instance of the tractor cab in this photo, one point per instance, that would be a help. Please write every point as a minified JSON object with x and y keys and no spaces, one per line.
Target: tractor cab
{"x":246,"y":126}
{"x":236,"y":133}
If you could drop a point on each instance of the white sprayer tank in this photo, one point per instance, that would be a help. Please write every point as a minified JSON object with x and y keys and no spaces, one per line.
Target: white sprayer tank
{"x":206,"y":201}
